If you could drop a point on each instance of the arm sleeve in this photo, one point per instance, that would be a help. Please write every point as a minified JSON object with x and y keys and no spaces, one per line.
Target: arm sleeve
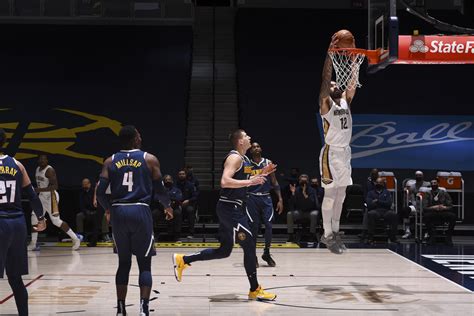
{"x":34,"y":201}
{"x":161,"y":193}
{"x":101,"y":196}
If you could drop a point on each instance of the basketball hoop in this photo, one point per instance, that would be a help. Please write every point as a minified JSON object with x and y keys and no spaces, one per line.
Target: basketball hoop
{"x":346,"y":63}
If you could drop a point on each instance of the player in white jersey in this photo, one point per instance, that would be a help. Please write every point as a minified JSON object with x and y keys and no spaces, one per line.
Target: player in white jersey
{"x":335,"y":155}
{"x":47,"y":185}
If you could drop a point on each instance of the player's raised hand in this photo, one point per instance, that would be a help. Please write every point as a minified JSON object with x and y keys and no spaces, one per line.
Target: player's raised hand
{"x":169,"y":213}
{"x":334,"y":41}
{"x":40,"y":226}
{"x":268,"y":169}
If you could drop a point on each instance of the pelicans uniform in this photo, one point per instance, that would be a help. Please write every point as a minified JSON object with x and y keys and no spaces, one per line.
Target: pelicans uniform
{"x":335,"y":157}
{"x":43,"y":182}
{"x":335,"y":163}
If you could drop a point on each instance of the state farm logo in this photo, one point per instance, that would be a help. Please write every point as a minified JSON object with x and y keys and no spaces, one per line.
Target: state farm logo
{"x":419,"y":46}
{"x":442,"y":47}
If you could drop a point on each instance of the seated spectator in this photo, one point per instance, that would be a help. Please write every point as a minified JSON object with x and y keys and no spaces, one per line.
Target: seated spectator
{"x":303,"y":205}
{"x":319,"y":190}
{"x":438,"y":210}
{"x":176,"y":197}
{"x":379,"y":205}
{"x":88,"y":213}
{"x":190,"y":195}
{"x":370,"y":184}
{"x":191,"y":177}
{"x":413,"y":188}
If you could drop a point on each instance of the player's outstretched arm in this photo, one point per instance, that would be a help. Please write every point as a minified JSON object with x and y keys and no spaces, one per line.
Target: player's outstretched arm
{"x":350,"y":93}
{"x":231,"y":165}
{"x":33,"y":197}
{"x":325,"y":91}
{"x":160,"y":191}
{"x":103,"y":184}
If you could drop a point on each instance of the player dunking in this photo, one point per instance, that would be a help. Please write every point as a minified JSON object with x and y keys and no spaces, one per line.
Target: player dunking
{"x":47,"y":184}
{"x":259,"y":201}
{"x":233,"y":221}
{"x":13,"y":253}
{"x":132,"y":175}
{"x":335,"y":155}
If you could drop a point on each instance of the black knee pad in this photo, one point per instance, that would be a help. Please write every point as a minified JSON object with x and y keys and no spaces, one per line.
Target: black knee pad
{"x":144,"y":266}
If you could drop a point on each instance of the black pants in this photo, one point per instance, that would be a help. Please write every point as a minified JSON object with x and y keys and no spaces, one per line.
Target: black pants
{"x":174,"y":225}
{"x":431,"y":218}
{"x":189,"y":212}
{"x":94,"y":219}
{"x":389,"y":217}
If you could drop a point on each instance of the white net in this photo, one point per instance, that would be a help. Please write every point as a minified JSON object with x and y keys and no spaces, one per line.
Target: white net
{"x":346,"y":64}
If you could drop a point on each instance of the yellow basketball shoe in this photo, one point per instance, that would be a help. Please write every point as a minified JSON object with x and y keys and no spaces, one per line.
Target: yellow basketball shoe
{"x":260,"y":295}
{"x":179,"y":266}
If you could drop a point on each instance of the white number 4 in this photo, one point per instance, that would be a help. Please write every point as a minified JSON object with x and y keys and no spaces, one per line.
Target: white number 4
{"x":128,"y":180}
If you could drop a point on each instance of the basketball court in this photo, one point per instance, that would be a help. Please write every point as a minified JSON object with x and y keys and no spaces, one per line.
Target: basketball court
{"x":307,"y":281}
{"x":398,"y":279}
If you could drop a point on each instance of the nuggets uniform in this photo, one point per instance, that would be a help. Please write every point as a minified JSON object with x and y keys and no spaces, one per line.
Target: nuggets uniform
{"x":132,"y":188}
{"x":13,"y":253}
{"x":335,"y":157}
{"x":233,"y":222}
{"x":43,"y":182}
{"x":259,"y":202}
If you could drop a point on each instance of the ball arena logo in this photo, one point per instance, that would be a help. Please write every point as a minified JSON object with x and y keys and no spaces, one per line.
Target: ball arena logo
{"x":441,"y":47}
{"x":28,"y":139}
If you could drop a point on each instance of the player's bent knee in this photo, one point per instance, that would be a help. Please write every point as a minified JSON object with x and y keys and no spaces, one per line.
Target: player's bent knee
{"x":56,"y":221}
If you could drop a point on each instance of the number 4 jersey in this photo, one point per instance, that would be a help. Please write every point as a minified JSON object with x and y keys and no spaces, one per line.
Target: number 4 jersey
{"x":11,"y":180}
{"x":337,"y":125}
{"x":130,"y":178}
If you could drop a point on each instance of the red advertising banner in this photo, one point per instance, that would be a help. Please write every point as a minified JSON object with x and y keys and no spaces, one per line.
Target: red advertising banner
{"x":434,"y":49}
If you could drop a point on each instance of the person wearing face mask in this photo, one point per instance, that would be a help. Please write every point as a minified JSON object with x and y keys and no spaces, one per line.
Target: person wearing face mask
{"x":370,"y":184}
{"x":439,"y":210}
{"x":176,"y":197}
{"x":191,"y":177}
{"x":303,"y":205}
{"x":379,"y":204}
{"x":413,"y":189}
{"x":319,"y":190}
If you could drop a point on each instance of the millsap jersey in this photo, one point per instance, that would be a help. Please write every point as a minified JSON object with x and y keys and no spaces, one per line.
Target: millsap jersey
{"x":257,"y":169}
{"x":130,"y":178}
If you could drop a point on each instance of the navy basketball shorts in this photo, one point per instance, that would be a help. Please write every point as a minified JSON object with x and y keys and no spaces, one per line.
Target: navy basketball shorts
{"x":259,"y":206}
{"x":13,"y":252}
{"x":233,"y":223}
{"x":132,"y":227}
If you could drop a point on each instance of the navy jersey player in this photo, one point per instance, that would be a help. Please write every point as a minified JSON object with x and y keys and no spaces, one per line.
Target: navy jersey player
{"x":233,"y":221}
{"x":134,"y":177}
{"x":13,"y":252}
{"x":259,"y":201}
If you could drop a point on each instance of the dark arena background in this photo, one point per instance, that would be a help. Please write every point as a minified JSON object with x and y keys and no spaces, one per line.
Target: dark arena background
{"x":187,"y":73}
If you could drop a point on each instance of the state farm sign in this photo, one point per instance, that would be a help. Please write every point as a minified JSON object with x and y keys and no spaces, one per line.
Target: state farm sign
{"x":435,"y":50}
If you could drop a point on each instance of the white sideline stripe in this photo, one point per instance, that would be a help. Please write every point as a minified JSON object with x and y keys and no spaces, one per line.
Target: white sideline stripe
{"x":406,"y":259}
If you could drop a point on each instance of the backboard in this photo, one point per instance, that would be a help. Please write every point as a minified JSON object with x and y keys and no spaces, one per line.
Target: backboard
{"x":383,"y":31}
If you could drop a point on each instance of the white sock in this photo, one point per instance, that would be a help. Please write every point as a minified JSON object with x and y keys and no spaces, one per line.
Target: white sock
{"x":34,"y":238}
{"x":327,"y":209}
{"x":337,"y":208}
{"x":71,"y":234}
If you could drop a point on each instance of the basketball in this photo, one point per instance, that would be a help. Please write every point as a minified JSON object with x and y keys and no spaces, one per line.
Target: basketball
{"x":346,"y":39}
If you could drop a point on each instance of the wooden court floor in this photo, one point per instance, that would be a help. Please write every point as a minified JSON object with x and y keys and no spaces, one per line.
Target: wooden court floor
{"x":307,"y":282}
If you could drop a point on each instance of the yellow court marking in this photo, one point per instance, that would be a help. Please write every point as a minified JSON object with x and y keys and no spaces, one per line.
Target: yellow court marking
{"x":183,"y":245}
